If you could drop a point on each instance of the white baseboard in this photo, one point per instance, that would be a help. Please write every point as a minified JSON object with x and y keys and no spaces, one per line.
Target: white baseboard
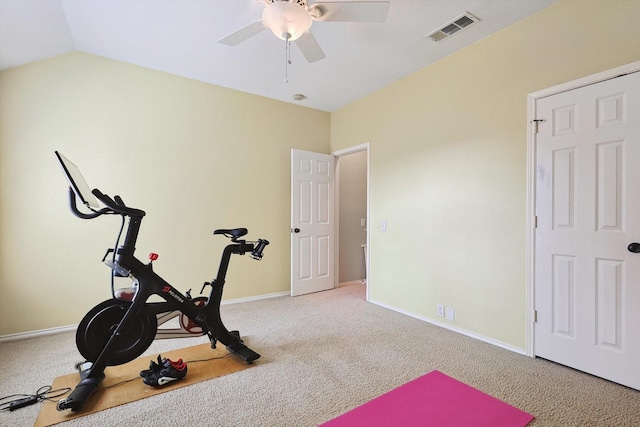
{"x":70,"y":328}
{"x":38,"y":333}
{"x":259,"y":297}
{"x":453,"y":328}
{"x":353,"y":282}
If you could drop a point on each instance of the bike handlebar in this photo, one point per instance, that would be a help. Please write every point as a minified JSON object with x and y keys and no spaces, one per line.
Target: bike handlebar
{"x":256,"y":253}
{"x":112,"y":206}
{"x":76,"y":211}
{"x":117,"y":205}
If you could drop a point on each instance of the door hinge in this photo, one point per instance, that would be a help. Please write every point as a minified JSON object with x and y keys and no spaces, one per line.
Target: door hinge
{"x":535,"y":316}
{"x":535,"y":221}
{"x":535,"y":125}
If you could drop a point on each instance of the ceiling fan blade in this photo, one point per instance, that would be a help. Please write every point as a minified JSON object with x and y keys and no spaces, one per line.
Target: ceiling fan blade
{"x":242,"y":34}
{"x":350,"y":11}
{"x":310,"y":47}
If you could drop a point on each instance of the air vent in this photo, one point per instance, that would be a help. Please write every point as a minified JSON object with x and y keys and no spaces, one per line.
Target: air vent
{"x":453,"y":27}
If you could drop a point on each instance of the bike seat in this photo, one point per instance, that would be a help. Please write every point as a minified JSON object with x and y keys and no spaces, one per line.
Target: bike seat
{"x":233,"y":233}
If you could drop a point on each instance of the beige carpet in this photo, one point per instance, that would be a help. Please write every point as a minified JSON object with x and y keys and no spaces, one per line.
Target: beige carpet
{"x":322,"y":355}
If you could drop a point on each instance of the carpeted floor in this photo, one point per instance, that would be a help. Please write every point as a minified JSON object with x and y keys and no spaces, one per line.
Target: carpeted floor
{"x":322,"y":355}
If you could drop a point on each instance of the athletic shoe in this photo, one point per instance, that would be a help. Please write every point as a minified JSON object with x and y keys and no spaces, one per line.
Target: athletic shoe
{"x":174,"y":371}
{"x":155,"y":367}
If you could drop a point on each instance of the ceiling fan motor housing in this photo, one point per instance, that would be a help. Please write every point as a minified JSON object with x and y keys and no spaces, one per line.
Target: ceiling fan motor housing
{"x":302,"y":3}
{"x":287,"y":20}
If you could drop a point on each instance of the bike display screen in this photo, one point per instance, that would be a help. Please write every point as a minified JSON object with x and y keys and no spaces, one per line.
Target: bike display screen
{"x":77,"y":182}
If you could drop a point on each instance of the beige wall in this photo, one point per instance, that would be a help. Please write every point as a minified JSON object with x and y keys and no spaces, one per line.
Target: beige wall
{"x":195,"y":156}
{"x":449,"y":157}
{"x":448,"y":152}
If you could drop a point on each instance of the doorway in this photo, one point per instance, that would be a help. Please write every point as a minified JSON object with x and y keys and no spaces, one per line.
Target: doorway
{"x":352,"y":216}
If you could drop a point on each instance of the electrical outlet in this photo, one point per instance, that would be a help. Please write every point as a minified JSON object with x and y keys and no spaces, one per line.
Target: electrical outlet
{"x":440,"y":310}
{"x":451,"y":314}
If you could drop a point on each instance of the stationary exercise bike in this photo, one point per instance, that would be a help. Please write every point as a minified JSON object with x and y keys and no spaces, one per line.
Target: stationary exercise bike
{"x":120,"y":329}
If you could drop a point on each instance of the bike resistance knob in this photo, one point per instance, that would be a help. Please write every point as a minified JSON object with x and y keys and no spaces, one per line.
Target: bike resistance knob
{"x":634,"y":247}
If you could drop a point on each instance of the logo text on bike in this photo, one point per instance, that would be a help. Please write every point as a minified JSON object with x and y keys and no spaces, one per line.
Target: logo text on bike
{"x":167,"y":289}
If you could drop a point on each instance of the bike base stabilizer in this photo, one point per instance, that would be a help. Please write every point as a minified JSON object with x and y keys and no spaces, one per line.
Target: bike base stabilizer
{"x":244,"y":352}
{"x":79,"y":395}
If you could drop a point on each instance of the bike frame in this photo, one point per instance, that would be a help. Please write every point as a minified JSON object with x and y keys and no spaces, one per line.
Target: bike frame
{"x":206,"y":316}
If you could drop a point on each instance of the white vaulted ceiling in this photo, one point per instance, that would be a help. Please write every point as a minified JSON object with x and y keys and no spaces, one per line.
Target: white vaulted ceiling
{"x":181,"y":37}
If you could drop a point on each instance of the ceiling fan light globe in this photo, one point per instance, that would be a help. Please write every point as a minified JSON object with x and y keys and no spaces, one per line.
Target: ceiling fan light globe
{"x":286,"y":19}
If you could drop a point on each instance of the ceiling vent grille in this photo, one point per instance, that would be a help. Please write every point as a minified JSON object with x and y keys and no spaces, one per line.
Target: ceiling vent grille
{"x":453,"y":27}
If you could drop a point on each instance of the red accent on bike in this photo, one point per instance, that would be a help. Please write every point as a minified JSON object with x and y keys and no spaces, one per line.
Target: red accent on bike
{"x":153,"y":256}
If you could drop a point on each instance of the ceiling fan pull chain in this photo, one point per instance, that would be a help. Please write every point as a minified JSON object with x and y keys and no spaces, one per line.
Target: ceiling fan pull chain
{"x":286,"y":61}
{"x":287,"y":58}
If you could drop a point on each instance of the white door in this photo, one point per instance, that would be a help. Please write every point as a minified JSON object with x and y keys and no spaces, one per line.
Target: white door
{"x":587,"y":277}
{"x":312,"y":222}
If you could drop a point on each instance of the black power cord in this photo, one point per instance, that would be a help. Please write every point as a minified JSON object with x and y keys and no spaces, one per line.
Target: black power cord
{"x":45,"y":392}
{"x":138,"y":377}
{"x":22,"y":400}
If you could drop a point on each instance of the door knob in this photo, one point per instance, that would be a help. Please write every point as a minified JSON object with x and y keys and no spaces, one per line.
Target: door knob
{"x":296,"y":230}
{"x":634,"y":247}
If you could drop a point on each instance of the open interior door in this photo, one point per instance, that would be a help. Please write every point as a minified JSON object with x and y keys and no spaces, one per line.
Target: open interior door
{"x":312,"y":222}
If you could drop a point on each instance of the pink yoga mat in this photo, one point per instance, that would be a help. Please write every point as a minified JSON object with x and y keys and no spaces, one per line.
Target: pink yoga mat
{"x":435,"y":400}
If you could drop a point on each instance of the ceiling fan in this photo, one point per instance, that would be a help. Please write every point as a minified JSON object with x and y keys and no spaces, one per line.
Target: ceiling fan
{"x":290,"y":20}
